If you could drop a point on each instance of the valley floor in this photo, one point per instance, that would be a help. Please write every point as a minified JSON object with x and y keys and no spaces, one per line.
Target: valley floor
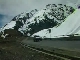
{"x":14,"y":51}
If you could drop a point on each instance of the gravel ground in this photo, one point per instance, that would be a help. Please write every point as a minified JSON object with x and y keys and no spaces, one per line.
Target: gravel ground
{"x":14,"y":51}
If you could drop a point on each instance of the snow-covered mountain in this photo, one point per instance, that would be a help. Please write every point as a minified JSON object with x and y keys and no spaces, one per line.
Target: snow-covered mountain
{"x":51,"y":16}
{"x":70,"y":26}
{"x":29,"y":23}
{"x":18,"y":21}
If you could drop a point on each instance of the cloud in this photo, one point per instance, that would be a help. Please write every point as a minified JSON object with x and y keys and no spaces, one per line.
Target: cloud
{"x":14,"y":7}
{"x":5,"y":20}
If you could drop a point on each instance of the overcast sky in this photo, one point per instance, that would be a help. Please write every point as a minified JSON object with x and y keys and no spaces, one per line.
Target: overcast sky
{"x":11,"y":8}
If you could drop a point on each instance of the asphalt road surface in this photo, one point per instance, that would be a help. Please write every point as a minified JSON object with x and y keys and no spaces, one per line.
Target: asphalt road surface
{"x":68,"y":45}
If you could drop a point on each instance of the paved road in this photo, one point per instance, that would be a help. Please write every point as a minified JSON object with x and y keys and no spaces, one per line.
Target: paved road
{"x":68,"y":45}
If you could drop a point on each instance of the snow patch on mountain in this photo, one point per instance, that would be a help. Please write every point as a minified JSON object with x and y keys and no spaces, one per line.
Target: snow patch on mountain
{"x":10,"y":25}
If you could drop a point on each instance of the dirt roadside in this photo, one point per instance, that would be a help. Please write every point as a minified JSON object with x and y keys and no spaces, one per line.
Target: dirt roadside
{"x":12,"y":50}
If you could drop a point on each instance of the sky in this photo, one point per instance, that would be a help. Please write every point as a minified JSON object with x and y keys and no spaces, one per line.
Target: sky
{"x":1,"y":17}
{"x":11,"y":8}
